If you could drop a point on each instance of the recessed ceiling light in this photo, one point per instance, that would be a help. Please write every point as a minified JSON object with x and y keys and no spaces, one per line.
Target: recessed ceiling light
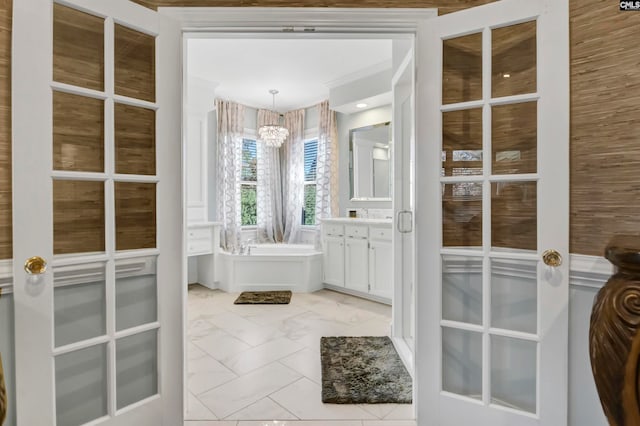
{"x":506,"y":75}
{"x":361,"y":105}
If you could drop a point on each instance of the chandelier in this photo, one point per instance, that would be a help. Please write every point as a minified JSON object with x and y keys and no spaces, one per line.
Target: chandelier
{"x":273,"y":134}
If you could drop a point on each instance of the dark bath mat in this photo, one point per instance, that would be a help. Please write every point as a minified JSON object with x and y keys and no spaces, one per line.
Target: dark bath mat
{"x":263,"y":298}
{"x":363,"y":370}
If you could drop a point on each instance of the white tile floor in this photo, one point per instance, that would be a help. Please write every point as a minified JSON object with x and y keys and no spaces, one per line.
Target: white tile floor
{"x":251,"y":364}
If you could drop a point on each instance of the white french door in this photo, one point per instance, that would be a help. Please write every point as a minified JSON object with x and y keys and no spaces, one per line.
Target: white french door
{"x":492,"y":198}
{"x":403,"y":89}
{"x":97,"y":195}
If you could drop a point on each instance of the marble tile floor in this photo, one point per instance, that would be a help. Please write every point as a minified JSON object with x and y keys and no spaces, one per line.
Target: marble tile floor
{"x":250,"y":364}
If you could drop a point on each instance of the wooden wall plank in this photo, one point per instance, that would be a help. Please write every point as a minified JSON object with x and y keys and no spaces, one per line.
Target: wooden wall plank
{"x":6,"y":229}
{"x":605,"y":129}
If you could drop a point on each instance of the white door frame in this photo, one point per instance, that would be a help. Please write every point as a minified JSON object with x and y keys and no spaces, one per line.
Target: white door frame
{"x":309,"y":23}
{"x":209,"y":22}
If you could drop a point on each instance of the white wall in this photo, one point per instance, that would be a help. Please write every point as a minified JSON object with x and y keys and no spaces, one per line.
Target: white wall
{"x":345,"y":123}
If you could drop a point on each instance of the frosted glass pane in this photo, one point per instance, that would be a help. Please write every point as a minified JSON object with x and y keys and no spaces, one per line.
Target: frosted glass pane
{"x":462,"y":289}
{"x":462,"y":362}
{"x":81,"y":386}
{"x":79,"y":307}
{"x":7,"y":351}
{"x":514,"y":295}
{"x":513,"y":373}
{"x":136,"y":294}
{"x":136,"y":367}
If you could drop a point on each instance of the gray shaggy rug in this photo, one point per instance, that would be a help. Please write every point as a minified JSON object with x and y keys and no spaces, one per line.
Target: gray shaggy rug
{"x":363,"y":370}
{"x":263,"y":298}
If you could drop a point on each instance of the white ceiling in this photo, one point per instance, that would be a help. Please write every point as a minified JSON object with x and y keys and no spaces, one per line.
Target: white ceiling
{"x":303,"y":70}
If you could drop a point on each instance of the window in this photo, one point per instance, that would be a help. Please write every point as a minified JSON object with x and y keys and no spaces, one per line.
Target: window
{"x":248,"y":184}
{"x":310,"y":168}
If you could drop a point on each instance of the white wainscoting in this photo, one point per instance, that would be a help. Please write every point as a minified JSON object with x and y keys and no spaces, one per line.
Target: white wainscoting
{"x":588,"y":274}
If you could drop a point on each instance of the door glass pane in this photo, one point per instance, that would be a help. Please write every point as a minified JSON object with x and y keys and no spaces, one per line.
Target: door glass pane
{"x":513,"y":373}
{"x":462,"y":69}
{"x":135,"y":215}
{"x":136,"y":293}
{"x":78,"y":216}
{"x":462,"y":142}
{"x":514,"y":60}
{"x":462,"y":362}
{"x":78,"y":48}
{"x":7,"y":352}
{"x":514,"y":215}
{"x":81,"y":386}
{"x":136,"y":367}
{"x":135,"y":139}
{"x":462,"y":289}
{"x":514,"y":295}
{"x":462,"y":215}
{"x":514,"y":146}
{"x":78,"y":133}
{"x":79,"y":302}
{"x":135,"y":64}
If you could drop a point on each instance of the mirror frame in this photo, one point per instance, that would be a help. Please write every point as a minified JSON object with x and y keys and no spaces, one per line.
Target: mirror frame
{"x":352,"y":196}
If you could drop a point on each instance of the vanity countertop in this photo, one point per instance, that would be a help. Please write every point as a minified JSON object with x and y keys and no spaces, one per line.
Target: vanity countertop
{"x":357,"y":221}
{"x":203,"y":224}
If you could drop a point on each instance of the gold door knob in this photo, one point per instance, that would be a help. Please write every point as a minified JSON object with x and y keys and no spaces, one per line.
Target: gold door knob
{"x":35,"y":265}
{"x":552,"y":258}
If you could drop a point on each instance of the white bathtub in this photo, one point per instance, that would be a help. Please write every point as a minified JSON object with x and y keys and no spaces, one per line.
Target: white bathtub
{"x":295,"y":267}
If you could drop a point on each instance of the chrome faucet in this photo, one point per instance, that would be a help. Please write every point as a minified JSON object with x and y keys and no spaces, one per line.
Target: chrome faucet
{"x":245,"y":248}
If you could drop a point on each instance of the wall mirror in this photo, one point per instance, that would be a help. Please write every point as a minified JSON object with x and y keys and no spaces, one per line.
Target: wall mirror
{"x":370,"y":162}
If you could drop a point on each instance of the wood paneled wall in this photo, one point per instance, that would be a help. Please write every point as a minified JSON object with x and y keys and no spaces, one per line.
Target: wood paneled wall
{"x":605,"y":103}
{"x":6,"y":237}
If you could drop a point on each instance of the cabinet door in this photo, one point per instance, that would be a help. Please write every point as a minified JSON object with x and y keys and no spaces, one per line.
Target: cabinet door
{"x":380,"y":269}
{"x":333,"y":264}
{"x":356,"y":264}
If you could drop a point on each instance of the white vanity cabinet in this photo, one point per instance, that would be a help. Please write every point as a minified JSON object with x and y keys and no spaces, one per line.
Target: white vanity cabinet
{"x":358,"y":257}
{"x":333,"y":260}
{"x":380,"y":260}
{"x":203,"y":244}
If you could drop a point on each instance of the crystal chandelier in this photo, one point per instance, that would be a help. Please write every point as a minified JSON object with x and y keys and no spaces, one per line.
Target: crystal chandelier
{"x":273,"y":134}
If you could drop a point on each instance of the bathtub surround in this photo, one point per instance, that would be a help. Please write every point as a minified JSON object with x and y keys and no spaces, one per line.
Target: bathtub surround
{"x":363,"y":370}
{"x":269,"y":267}
{"x":263,"y":298}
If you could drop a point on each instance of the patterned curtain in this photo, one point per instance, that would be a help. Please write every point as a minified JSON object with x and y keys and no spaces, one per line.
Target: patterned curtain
{"x":269,"y":209}
{"x":327,"y":169}
{"x":230,"y":133}
{"x":293,"y":174}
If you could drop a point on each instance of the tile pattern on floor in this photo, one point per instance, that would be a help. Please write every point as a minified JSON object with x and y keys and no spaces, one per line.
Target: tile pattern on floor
{"x":248,"y":363}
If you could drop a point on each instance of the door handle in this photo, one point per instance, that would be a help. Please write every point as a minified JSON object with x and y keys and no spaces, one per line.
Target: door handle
{"x":400,"y":223}
{"x":552,"y":258}
{"x":35,"y":265}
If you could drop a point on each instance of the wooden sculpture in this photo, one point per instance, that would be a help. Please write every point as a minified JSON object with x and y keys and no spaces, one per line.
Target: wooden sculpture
{"x":613,"y":336}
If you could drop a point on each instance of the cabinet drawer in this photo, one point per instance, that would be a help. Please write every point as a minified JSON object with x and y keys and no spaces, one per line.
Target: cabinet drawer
{"x":333,"y":229}
{"x":384,"y":234}
{"x":198,"y":233}
{"x":199,"y":246}
{"x":356,"y":231}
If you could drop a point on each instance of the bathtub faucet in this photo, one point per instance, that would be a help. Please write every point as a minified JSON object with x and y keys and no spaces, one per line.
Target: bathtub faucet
{"x":245,"y":248}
